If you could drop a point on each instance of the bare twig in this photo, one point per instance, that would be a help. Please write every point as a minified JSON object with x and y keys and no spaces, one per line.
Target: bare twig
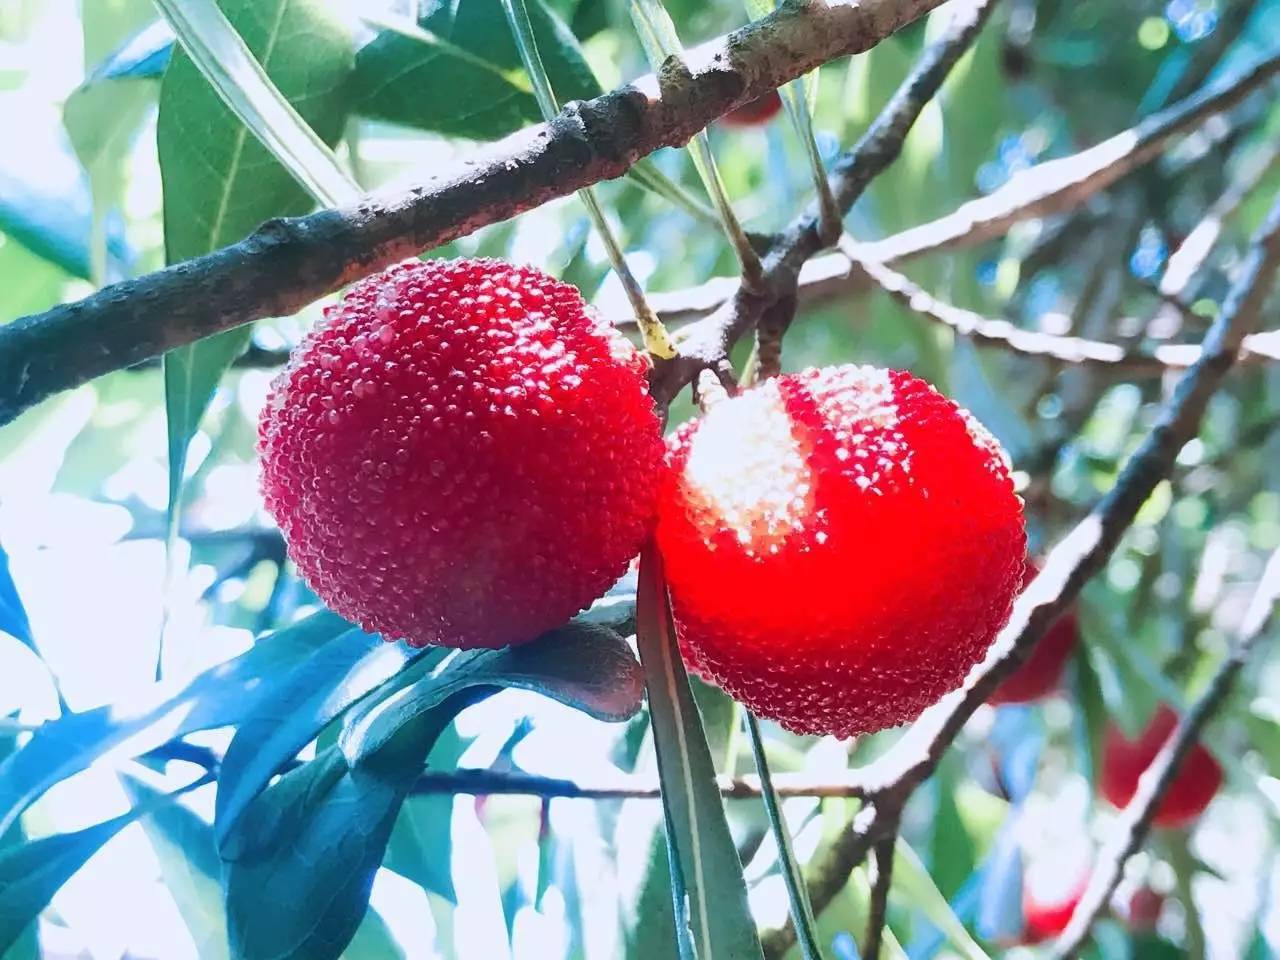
{"x":706,"y":343}
{"x":1064,"y":349}
{"x":1043,"y":190}
{"x":288,"y":263}
{"x":1135,"y":820}
{"x":884,"y":848}
{"x":890,"y":780}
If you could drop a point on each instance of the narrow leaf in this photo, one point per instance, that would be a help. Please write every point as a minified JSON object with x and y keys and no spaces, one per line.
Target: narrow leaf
{"x":218,"y":697}
{"x":710,"y":891}
{"x":220,"y":181}
{"x":13,"y":615}
{"x":915,"y":888}
{"x":345,"y":669}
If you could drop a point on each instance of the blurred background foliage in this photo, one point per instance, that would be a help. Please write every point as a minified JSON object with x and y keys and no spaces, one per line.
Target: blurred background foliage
{"x":117,"y":157}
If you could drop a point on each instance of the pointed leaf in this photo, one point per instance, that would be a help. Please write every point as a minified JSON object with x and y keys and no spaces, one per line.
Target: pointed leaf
{"x":219,"y":181}
{"x":913,"y":886}
{"x":345,"y":669}
{"x":13,"y":615}
{"x":709,"y":875}
{"x":216,"y":698}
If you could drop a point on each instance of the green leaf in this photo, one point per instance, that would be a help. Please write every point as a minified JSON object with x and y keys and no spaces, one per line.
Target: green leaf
{"x":316,"y":836}
{"x":189,"y":865}
{"x":914,"y":888}
{"x":582,"y":665}
{"x":459,"y":72}
{"x":708,"y":877}
{"x":1091,"y":715}
{"x":216,"y":698}
{"x":951,"y":853}
{"x":220,"y":182}
{"x":372,"y":941}
{"x":337,"y":675}
{"x":649,"y":923}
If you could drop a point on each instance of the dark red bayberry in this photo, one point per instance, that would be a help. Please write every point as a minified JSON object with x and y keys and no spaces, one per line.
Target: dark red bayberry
{"x":461,"y":454}
{"x":1124,"y":761}
{"x":841,"y":546}
{"x":1040,"y":673}
{"x":755,"y":112}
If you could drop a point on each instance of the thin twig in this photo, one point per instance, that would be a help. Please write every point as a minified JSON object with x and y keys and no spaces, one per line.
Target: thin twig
{"x":706,"y":343}
{"x":1134,"y":822}
{"x":1031,"y":343}
{"x":288,"y":263}
{"x":884,"y":848}
{"x":1043,"y":190}
{"x":892,"y":778}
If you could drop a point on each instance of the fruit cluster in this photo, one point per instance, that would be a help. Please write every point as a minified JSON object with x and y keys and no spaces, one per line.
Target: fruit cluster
{"x":463,"y":454}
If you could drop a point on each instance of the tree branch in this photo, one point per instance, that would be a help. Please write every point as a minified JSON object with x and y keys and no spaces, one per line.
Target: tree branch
{"x":287,"y":263}
{"x":1065,"y":349}
{"x":706,"y":343}
{"x":890,"y":780}
{"x":884,"y":848}
{"x":1043,"y":190}
{"x":1134,"y":822}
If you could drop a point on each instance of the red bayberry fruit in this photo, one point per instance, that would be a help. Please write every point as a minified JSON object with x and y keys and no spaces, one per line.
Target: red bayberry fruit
{"x":755,"y":112}
{"x":1047,"y":917}
{"x":461,"y":454}
{"x":1124,"y":761}
{"x":1039,"y":674}
{"x":841,"y":546}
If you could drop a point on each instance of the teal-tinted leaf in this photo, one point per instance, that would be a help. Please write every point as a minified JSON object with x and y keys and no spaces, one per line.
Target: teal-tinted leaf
{"x":13,"y":615}
{"x":582,"y":665}
{"x":32,"y":872}
{"x":708,"y":875}
{"x":463,"y":49}
{"x":189,"y":865}
{"x":345,"y":669}
{"x":421,"y":840}
{"x":27,"y":944}
{"x":143,"y":56}
{"x":649,"y":930}
{"x":317,"y":835}
{"x":53,"y":226}
{"x":220,"y":182}
{"x":217,"y":697}
{"x":373,"y":941}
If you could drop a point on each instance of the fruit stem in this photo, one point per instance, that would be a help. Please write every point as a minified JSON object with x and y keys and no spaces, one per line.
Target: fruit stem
{"x":656,"y":339}
{"x":797,"y":892}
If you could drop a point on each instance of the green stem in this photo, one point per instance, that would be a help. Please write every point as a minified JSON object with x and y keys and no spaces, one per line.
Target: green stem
{"x":656,"y":339}
{"x":797,"y":893}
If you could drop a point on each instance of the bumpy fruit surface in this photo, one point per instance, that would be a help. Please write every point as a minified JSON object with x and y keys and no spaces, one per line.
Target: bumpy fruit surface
{"x":461,"y":454}
{"x":1042,"y":670}
{"x":755,"y":112}
{"x":1124,"y":761}
{"x":841,"y":546}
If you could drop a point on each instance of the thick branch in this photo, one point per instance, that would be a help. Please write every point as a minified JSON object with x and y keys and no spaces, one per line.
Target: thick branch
{"x":890,"y":780}
{"x":884,"y":848}
{"x":1064,"y":349}
{"x":288,"y":263}
{"x":1135,"y":821}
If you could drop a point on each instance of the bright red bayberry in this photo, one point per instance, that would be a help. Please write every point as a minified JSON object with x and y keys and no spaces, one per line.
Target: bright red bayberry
{"x":841,"y":546}
{"x":1039,"y":674}
{"x":1124,"y":761}
{"x":461,"y":454}
{"x":755,"y":112}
